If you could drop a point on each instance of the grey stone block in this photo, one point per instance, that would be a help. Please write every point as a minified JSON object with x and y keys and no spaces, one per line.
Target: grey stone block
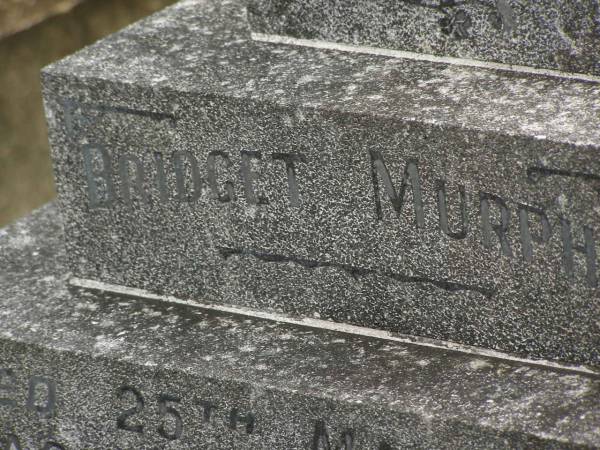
{"x":93,"y":370}
{"x":428,"y":199}
{"x":549,"y":34}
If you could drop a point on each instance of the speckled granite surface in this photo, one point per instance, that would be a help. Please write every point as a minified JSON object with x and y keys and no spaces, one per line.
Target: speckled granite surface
{"x":96,"y":371}
{"x":550,"y":34}
{"x":442,"y":201}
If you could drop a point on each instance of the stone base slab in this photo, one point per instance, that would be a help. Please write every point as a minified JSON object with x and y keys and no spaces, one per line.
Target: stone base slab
{"x":80,"y":369}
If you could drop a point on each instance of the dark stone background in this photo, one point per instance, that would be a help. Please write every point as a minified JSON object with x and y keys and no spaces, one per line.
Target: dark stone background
{"x":25,"y":167}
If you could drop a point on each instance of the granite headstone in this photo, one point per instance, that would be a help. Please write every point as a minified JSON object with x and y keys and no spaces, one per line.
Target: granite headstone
{"x":429,"y":199}
{"x":269,"y":191}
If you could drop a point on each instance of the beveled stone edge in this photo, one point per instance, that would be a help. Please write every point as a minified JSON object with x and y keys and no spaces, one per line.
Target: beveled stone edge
{"x":415,"y":56}
{"x":328,"y":325}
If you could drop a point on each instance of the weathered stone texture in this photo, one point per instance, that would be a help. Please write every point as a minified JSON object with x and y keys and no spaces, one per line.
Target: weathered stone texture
{"x":92,"y":370}
{"x":428,"y":199}
{"x":549,"y":34}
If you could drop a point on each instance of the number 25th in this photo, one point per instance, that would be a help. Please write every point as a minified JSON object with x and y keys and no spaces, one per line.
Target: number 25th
{"x":126,"y":420}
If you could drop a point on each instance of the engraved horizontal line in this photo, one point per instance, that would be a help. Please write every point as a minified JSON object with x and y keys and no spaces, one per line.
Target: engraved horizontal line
{"x":327,"y":325}
{"x":364,"y":49}
{"x":124,"y":110}
{"x":534,"y":172}
{"x":357,"y":272}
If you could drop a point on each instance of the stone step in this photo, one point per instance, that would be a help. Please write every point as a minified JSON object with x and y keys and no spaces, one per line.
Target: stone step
{"x":89,"y":370}
{"x":428,"y":199}
{"x":548,"y":34}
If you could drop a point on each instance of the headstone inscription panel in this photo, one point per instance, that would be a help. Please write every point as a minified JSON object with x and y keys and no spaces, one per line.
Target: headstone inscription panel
{"x":548,"y":34}
{"x":429,"y":199}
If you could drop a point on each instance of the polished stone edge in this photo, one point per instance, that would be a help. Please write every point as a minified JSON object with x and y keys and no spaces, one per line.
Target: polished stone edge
{"x":539,"y":34}
{"x":328,"y":325}
{"x":414,"y":56}
{"x":95,"y":370}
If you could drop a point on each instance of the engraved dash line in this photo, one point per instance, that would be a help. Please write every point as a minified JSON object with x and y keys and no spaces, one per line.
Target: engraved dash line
{"x":70,"y":105}
{"x":534,"y":173}
{"x":356,"y":272}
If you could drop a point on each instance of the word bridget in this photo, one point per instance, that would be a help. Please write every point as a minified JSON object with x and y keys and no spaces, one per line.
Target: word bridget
{"x":180,"y":161}
{"x":102,"y":187}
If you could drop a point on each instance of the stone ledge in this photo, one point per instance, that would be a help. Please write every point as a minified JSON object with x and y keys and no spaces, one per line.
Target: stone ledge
{"x":544,"y":33}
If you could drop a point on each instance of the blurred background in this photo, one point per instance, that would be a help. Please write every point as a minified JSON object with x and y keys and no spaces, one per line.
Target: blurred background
{"x":33,"y":33}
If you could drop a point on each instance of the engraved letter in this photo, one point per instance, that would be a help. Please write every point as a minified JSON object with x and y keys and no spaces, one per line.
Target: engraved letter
{"x":8,"y":387}
{"x":47,"y":408}
{"x":411,"y":174}
{"x":208,"y":407}
{"x":526,"y":237}
{"x":125,"y":162}
{"x":180,"y":172}
{"x":212,"y":177}
{"x":248,"y":419}
{"x":122,"y":419}
{"x":443,"y":212}
{"x":94,"y":195}
{"x":290,"y":159}
{"x":249,"y":177}
{"x":165,"y":410}
{"x":588,"y":248}
{"x":321,"y":439}
{"x":161,"y":177}
{"x":487,"y":227}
